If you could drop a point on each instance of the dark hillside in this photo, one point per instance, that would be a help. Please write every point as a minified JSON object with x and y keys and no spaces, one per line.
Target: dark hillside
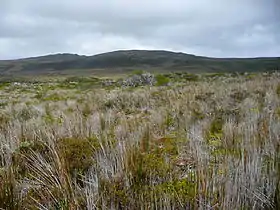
{"x":135,"y":59}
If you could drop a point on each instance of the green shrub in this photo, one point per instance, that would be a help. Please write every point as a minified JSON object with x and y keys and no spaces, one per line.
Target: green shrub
{"x":215,"y":133}
{"x":216,"y":126}
{"x":27,"y":148}
{"x":161,"y":80}
{"x":116,"y":191}
{"x":147,"y":167}
{"x":3,"y":85}
{"x":78,"y":153}
{"x":278,"y":90}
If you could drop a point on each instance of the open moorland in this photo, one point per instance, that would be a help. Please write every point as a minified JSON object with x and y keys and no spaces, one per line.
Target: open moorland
{"x":166,"y":141}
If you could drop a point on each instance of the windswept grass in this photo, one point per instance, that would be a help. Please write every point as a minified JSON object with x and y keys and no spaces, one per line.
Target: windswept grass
{"x":202,"y":142}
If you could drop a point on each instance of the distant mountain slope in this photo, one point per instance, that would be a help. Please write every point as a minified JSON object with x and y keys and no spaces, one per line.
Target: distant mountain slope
{"x":126,"y":60}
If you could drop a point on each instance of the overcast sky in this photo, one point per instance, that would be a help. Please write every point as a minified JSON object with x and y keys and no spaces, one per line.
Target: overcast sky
{"x":217,"y":28}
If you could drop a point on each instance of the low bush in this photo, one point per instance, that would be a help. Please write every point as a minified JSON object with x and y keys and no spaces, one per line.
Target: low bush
{"x":161,"y":80}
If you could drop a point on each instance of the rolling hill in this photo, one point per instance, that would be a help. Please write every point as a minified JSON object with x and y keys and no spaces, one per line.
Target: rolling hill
{"x":127,"y":60}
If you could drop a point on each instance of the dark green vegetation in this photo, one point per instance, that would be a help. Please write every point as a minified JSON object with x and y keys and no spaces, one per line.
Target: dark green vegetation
{"x":120,"y":62}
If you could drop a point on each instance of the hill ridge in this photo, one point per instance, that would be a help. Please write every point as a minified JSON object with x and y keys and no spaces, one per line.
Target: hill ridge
{"x":127,"y":60}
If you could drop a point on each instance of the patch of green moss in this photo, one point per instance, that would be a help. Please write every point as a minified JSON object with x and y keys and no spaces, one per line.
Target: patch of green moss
{"x":183,"y":190}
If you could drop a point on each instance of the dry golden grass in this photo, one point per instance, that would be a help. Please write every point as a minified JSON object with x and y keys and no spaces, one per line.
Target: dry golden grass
{"x":212,"y":143}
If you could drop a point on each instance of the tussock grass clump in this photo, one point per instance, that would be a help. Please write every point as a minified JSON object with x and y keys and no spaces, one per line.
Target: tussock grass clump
{"x":9,"y":197}
{"x":203,"y":142}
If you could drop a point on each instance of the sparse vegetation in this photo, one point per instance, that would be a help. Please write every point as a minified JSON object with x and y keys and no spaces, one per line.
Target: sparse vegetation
{"x":201,"y":142}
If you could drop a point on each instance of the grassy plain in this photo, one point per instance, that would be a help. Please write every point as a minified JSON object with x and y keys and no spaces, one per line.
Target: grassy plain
{"x":202,"y":142}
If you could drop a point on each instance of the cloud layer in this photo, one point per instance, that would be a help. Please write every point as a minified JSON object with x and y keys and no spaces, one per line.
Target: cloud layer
{"x":218,"y":28}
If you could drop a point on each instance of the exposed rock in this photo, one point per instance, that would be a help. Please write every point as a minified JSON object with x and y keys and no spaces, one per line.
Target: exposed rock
{"x":139,"y":80}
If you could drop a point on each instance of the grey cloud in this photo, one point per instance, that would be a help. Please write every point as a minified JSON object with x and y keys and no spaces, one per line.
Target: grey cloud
{"x":217,"y":28}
